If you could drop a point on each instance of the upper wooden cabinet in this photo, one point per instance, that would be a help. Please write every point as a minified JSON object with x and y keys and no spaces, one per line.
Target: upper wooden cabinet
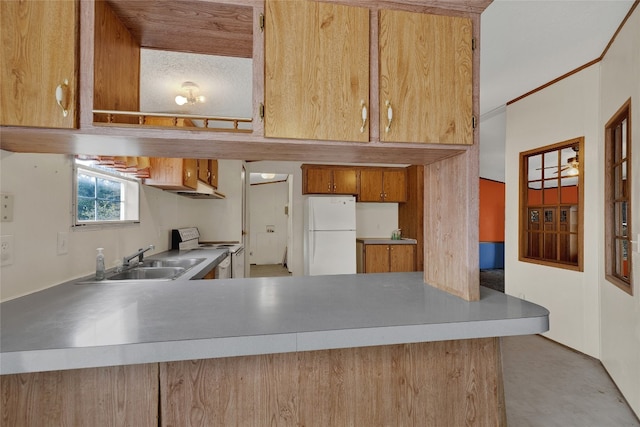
{"x":426,"y":83}
{"x":383,"y":185}
{"x":39,"y":63}
{"x":208,"y":171}
{"x":316,"y":71}
{"x":173,"y":174}
{"x":329,"y":180}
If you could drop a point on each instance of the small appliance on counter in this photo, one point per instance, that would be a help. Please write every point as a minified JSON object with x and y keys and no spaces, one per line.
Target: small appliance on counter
{"x":189,"y":238}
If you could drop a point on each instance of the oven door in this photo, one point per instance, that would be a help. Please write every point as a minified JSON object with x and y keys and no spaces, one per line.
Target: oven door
{"x":223,"y":270}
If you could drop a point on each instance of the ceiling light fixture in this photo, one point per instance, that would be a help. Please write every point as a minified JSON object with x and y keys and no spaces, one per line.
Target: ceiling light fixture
{"x":191,"y":90}
{"x":268,"y":175}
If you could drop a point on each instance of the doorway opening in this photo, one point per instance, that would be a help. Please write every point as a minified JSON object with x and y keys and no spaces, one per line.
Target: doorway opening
{"x":270,"y":223}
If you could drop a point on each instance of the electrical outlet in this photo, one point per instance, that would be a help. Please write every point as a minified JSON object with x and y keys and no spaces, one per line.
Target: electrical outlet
{"x":6,"y":250}
{"x":63,"y":242}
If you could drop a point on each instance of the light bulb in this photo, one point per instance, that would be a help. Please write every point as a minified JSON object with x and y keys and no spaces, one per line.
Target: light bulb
{"x":181,"y":100}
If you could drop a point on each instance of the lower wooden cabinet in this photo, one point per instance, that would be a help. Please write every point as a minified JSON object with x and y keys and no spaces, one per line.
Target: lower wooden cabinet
{"x":386,"y":258}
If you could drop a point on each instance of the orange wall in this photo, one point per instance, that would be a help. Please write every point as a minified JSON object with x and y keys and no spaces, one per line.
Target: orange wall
{"x":569,"y":195}
{"x":491,"y":211}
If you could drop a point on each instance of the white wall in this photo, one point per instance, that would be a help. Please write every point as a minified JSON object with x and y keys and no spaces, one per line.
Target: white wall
{"x":42,"y":187}
{"x":376,"y":219}
{"x":565,"y":110}
{"x":587,"y":312}
{"x":620,"y":312}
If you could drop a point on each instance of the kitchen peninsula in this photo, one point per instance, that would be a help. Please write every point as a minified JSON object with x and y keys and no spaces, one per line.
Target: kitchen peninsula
{"x":368,"y":349}
{"x":326,"y":350}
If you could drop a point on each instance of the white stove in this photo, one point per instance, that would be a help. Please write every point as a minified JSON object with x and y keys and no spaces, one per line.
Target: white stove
{"x":189,"y":239}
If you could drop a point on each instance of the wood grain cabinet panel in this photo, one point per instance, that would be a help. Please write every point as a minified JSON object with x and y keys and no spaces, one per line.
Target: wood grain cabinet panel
{"x":320,"y":179}
{"x":380,"y":185}
{"x":316,"y":70}
{"x":208,"y":171}
{"x":426,"y":78}
{"x":38,"y":53}
{"x":432,"y":384}
{"x":381,"y":258}
{"x":110,"y":396}
{"x":173,"y":174}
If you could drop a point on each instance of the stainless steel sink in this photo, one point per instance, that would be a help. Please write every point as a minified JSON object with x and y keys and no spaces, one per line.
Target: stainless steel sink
{"x":152,"y":269}
{"x":185,"y":263}
{"x":148,"y":273}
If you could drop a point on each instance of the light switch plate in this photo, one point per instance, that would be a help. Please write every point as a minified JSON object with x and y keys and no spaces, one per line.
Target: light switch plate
{"x":6,"y":250}
{"x":6,"y":207}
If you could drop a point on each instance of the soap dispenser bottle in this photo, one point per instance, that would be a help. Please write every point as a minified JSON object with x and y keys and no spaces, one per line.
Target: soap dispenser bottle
{"x":100,"y":265}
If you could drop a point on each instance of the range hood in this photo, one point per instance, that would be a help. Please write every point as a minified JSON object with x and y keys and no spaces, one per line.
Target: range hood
{"x":202,"y":191}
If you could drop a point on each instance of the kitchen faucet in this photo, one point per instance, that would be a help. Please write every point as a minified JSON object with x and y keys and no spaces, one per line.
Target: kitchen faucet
{"x":139,"y":254}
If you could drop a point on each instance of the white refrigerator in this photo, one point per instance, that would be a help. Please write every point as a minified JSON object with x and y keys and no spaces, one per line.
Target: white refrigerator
{"x":330,"y":235}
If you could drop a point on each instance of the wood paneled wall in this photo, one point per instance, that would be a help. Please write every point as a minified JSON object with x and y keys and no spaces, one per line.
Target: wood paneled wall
{"x":111,"y":396}
{"x":448,"y":383}
{"x":116,"y":83}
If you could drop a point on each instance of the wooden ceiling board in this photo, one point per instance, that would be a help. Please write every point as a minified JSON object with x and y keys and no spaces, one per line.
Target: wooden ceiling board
{"x":189,"y":26}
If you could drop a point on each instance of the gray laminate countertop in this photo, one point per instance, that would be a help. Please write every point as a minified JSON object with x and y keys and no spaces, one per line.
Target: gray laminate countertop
{"x":78,"y":326}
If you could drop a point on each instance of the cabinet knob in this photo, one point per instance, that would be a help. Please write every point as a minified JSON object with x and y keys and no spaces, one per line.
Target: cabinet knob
{"x":365,"y":115}
{"x":60,"y":96}
{"x":389,"y":115}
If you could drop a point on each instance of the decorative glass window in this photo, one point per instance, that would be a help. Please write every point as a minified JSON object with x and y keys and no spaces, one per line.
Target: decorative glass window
{"x":618,"y":199}
{"x":104,"y":197}
{"x":551,"y":218}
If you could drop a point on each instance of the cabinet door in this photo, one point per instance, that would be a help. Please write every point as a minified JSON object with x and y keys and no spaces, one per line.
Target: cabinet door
{"x":38,"y":52}
{"x":318,"y":181}
{"x":426,"y":76}
{"x":316,"y":70}
{"x":402,"y":258}
{"x":370,"y":185}
{"x":345,"y":181}
{"x":213,"y":168}
{"x":376,"y":258}
{"x":394,"y":186}
{"x":204,"y":171}
{"x":190,"y":173}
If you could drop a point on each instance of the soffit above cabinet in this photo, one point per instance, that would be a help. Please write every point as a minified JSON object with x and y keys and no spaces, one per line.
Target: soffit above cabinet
{"x":189,"y":26}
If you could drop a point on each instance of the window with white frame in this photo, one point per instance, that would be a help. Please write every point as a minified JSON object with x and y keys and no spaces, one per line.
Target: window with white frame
{"x":104,"y":197}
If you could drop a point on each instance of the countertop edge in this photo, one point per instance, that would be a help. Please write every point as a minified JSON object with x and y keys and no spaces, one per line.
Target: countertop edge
{"x":213,"y":348}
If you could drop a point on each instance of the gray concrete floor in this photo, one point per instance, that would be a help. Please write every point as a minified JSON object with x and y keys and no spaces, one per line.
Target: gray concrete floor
{"x":549,"y":385}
